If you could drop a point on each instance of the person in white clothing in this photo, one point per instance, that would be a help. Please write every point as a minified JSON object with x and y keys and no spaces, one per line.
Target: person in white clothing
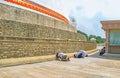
{"x":62,"y":56}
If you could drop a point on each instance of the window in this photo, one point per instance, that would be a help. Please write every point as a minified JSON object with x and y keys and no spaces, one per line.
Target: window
{"x":115,"y":37}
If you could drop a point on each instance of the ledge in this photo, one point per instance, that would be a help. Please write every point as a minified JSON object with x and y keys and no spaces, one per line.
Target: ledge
{"x":36,"y":59}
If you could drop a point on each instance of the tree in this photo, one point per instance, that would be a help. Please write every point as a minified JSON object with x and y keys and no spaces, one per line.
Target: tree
{"x":98,"y":38}
{"x":78,"y":31}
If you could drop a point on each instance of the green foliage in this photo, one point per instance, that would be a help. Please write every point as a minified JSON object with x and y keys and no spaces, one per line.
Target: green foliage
{"x":83,"y":34}
{"x":98,"y":38}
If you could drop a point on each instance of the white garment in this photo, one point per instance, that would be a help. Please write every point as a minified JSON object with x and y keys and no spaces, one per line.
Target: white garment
{"x":61,"y":54}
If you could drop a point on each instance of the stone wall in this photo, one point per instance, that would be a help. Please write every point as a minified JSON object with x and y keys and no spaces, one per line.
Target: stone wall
{"x":15,"y":49}
{"x":27,"y":34}
{"x":20,"y":15}
{"x":24,"y":40}
{"x":19,"y":30}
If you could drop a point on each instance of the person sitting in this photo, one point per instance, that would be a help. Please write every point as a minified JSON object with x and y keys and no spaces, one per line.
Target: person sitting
{"x":62,"y":56}
{"x":102,"y":51}
{"x":81,"y":54}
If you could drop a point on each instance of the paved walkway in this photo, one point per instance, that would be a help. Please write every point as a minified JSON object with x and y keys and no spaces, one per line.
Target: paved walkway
{"x":94,"y":66}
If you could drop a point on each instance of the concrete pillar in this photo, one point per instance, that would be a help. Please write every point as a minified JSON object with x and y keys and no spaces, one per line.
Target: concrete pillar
{"x":107,"y":40}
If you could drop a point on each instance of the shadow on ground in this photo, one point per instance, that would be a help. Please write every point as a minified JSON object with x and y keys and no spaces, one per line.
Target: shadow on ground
{"x":106,"y":56}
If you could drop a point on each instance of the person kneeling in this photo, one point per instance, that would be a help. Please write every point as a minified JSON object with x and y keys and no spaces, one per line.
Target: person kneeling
{"x":62,"y":57}
{"x":81,"y":54}
{"x":102,"y":51}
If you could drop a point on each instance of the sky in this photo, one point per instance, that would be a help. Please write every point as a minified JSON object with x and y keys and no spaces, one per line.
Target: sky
{"x":87,"y":13}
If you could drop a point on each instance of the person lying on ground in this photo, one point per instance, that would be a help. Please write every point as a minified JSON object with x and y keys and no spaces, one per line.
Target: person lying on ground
{"x":81,"y":54}
{"x":62,"y":57}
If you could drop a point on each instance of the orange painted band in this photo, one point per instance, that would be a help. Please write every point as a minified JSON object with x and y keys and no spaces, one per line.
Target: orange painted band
{"x":40,"y":8}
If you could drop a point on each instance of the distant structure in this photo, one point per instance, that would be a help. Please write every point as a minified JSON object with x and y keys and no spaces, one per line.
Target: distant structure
{"x":92,"y":40}
{"x":32,"y":5}
{"x":112,"y":29}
